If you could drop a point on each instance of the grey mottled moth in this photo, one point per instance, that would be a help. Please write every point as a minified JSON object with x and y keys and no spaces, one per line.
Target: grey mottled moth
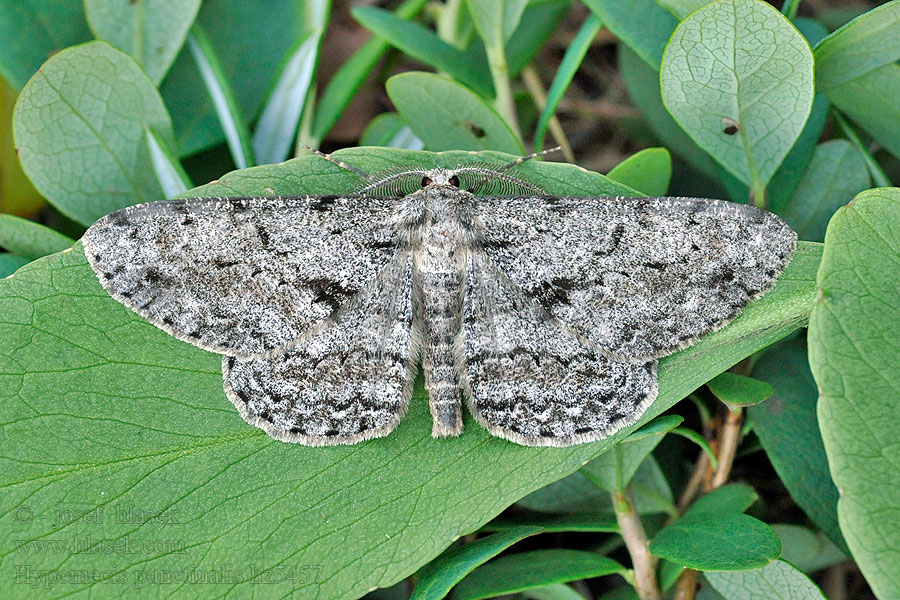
{"x":546,"y":313}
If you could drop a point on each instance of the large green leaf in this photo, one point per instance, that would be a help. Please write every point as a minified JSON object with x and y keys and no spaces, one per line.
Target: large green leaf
{"x":104,"y":414}
{"x":776,"y":581}
{"x":836,"y":174}
{"x":29,"y":239}
{"x":738,"y":77}
{"x":445,"y":115}
{"x":33,"y":31}
{"x":871,"y":101}
{"x":539,"y":568}
{"x":79,"y":129}
{"x":151,"y":32}
{"x":869,"y":41}
{"x":787,"y":429}
{"x":853,"y":350}
{"x":720,"y":542}
{"x":249,"y":63}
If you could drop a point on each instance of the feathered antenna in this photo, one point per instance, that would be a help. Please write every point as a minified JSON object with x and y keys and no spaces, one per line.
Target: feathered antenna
{"x":512,"y":164}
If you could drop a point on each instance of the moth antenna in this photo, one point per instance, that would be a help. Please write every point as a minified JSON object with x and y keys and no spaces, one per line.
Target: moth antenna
{"x":512,"y":164}
{"x":341,"y":164}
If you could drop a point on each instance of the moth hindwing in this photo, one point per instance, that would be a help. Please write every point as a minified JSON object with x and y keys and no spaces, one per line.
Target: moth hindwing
{"x":546,"y":313}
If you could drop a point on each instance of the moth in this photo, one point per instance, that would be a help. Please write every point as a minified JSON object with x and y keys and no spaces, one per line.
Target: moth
{"x":546,"y":314}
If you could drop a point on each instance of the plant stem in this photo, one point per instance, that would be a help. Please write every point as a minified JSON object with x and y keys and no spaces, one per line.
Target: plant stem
{"x":632,"y":530}
{"x":789,"y":9}
{"x":758,"y":194}
{"x":504,"y":102}
{"x":533,"y":84}
{"x":731,"y":433}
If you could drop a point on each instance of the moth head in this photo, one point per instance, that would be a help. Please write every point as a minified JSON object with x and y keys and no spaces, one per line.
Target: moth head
{"x":440,"y":178}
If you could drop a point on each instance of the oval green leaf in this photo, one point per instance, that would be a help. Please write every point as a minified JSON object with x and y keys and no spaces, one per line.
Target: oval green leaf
{"x":447,"y":116}
{"x":151,"y":32}
{"x":738,"y":78}
{"x":100,"y":409}
{"x":526,"y":570}
{"x":853,"y":334}
{"x":871,"y":101}
{"x":642,"y":25}
{"x":719,"y":542}
{"x":86,"y":156}
{"x":776,"y":581}
{"x":738,"y":390}
{"x":29,"y":239}
{"x":647,"y":171}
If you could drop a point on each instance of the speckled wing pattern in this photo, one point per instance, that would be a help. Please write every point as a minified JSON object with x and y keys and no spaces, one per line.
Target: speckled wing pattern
{"x":547,"y":313}
{"x":346,"y":380}
{"x":533,"y":380}
{"x":640,"y":277}
{"x":241,"y":276}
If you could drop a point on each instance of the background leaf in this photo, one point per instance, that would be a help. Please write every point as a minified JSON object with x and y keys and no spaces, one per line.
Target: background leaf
{"x":739,"y":79}
{"x":836,"y":174}
{"x":647,"y":171}
{"x":435,"y":579}
{"x":88,"y":156}
{"x":737,"y":390}
{"x":725,"y":542}
{"x":643,"y":25}
{"x":496,"y":20}
{"x":151,"y":32}
{"x":10,"y":263}
{"x":33,"y":31}
{"x":807,"y":550}
{"x":776,"y":581}
{"x":446,"y":115}
{"x":867,"y":42}
{"x":29,"y":239}
{"x":853,"y":347}
{"x":538,"y":568}
{"x":101,"y":409}
{"x":788,"y":431}
{"x":871,"y":101}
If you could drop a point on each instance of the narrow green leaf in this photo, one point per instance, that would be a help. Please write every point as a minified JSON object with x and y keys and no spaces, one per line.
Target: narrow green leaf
{"x":538,"y":24}
{"x":86,"y":157}
{"x":631,"y":451}
{"x":738,"y":390}
{"x":871,"y":102}
{"x":866,"y":43}
{"x":647,"y":171}
{"x":787,"y":428}
{"x":344,"y":84}
{"x":446,"y":115}
{"x":172,"y":178}
{"x":719,"y":542}
{"x":642,"y":82}
{"x":733,"y":498}
{"x":853,"y":352}
{"x":435,"y":579}
{"x":29,"y":239}
{"x":424,"y":45}
{"x":571,"y":61}
{"x":555,"y":523}
{"x":776,"y":581}
{"x":10,"y":263}
{"x":495,"y":20}
{"x":151,"y":32}
{"x":836,"y":174}
{"x":807,"y":550}
{"x":277,"y":124}
{"x":219,"y":90}
{"x":690,"y":434}
{"x":738,"y":78}
{"x":525,"y":570}
{"x":33,"y":31}
{"x":77,"y":370}
{"x":283,"y":22}
{"x":389,"y":130}
{"x":642,"y":25}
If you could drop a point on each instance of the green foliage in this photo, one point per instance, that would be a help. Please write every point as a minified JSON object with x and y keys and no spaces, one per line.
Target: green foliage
{"x":853,"y":336}
{"x":101,"y":413}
